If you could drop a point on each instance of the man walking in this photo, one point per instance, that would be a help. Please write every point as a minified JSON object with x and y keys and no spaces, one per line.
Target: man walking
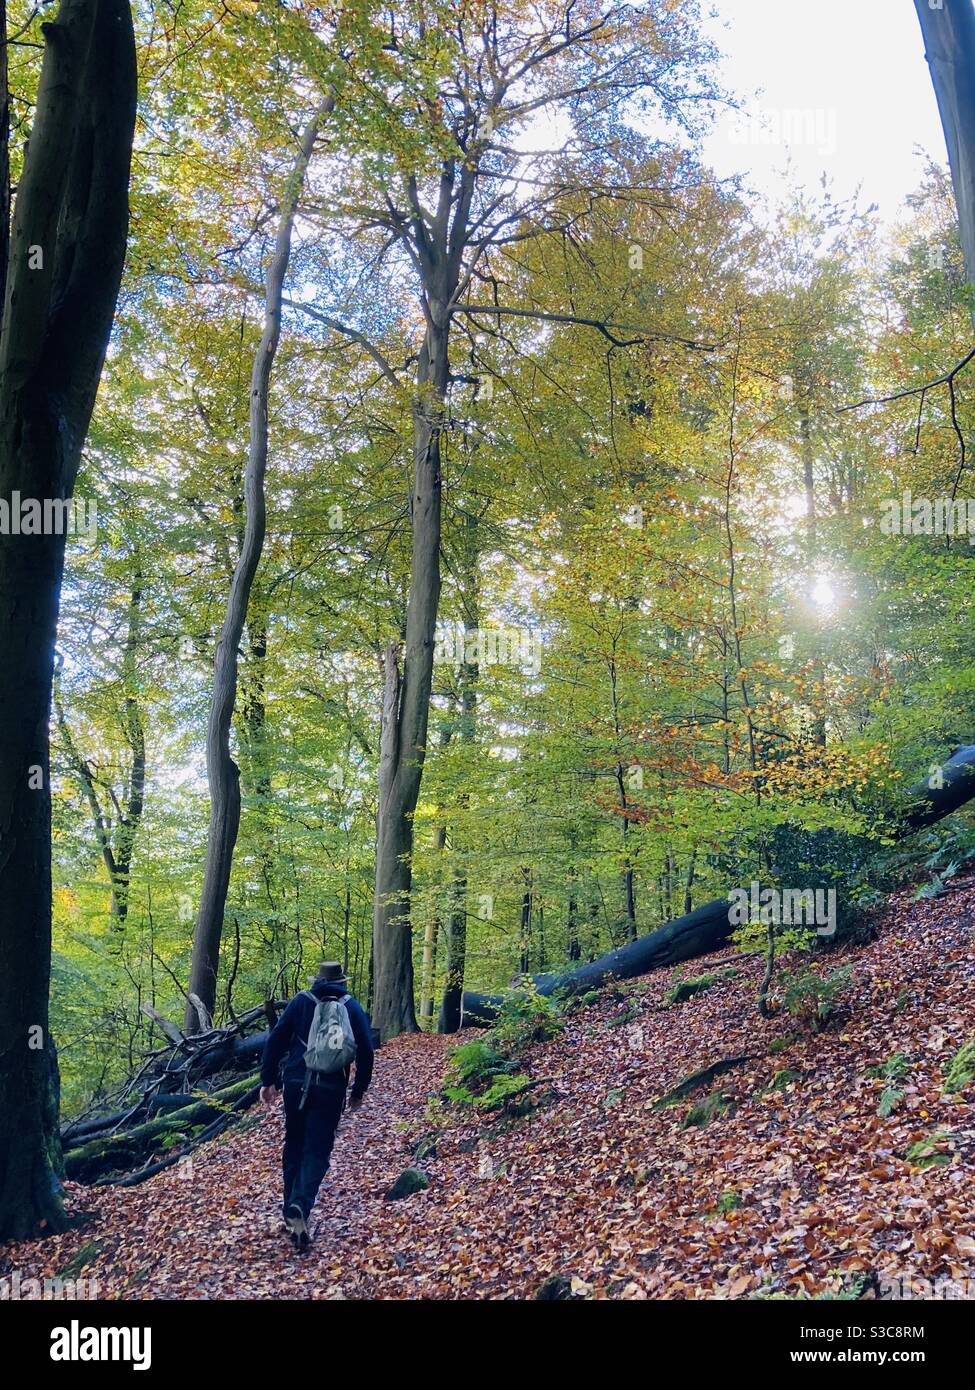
{"x":318,"y":1037}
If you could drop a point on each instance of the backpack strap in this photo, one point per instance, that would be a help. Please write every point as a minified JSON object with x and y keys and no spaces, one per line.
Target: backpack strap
{"x":315,"y":1001}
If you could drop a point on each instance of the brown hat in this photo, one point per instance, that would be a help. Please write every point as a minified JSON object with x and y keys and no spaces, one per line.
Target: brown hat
{"x":331,"y":971}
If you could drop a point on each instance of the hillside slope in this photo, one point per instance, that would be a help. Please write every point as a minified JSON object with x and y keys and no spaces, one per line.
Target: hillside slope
{"x":597,"y":1185}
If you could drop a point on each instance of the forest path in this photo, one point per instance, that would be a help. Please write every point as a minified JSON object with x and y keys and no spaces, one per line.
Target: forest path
{"x":800,"y":1186}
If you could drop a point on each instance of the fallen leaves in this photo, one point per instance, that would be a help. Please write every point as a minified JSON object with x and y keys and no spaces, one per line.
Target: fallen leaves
{"x":599,"y":1191}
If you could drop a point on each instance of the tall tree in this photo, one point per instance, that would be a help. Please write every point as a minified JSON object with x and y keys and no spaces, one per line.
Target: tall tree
{"x":223,"y":773}
{"x":458,"y":195}
{"x":67,"y":248}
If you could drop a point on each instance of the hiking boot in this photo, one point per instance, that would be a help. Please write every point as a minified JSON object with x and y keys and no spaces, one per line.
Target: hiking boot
{"x":294,"y":1219}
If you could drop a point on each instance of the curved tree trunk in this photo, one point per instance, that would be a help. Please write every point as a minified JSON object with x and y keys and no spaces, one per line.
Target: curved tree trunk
{"x":223,"y":774}
{"x":67,"y":249}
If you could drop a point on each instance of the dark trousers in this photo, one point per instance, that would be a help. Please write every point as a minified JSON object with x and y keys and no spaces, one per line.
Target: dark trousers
{"x":309,"y":1133}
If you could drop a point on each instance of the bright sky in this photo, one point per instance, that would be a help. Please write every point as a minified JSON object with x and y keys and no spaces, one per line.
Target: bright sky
{"x":855,"y":69}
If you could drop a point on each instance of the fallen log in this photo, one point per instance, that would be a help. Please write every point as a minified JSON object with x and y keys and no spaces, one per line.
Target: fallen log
{"x":172,"y":1077}
{"x":947,"y":787}
{"x":700,"y":932}
{"x":211,"y":1131}
{"x":122,"y":1151}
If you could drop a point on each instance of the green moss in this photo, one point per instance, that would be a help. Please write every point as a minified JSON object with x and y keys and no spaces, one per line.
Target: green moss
{"x":500,"y":1090}
{"x":891,"y":1070}
{"x":708,"y":1109}
{"x":686,"y":989}
{"x":784,"y":1078}
{"x":409,"y":1182}
{"x":79,"y":1259}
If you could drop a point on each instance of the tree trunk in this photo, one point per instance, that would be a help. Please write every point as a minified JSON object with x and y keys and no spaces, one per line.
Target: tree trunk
{"x":116,"y":852}
{"x":949,"y":43}
{"x":436,"y":245}
{"x":135,"y":797}
{"x":573,"y":947}
{"x":407,"y":700}
{"x":451,"y":1005}
{"x":525,"y":924}
{"x":72,"y":213}
{"x":223,"y":773}
{"x":392,"y":955}
{"x":431,"y":933}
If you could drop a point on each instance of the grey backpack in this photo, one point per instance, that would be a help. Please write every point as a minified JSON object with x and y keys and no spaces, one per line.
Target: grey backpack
{"x":331,"y":1043}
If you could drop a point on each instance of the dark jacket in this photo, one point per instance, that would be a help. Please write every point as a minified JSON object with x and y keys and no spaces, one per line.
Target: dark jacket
{"x":289,"y":1037}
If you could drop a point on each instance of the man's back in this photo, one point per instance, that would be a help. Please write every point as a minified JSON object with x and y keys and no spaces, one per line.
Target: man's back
{"x":314,"y":1099}
{"x":287,"y":1041}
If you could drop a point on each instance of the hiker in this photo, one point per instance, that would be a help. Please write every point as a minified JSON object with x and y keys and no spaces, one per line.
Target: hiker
{"x":320,"y":1034}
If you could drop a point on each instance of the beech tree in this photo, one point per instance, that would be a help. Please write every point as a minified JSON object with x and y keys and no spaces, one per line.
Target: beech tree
{"x":460,"y":189}
{"x":62,"y":275}
{"x":222,"y":772}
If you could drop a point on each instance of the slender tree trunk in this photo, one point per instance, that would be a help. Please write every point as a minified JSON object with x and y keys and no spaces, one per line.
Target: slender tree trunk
{"x":593,"y":930}
{"x":67,"y":249}
{"x":525,"y":925}
{"x":117,"y":851}
{"x":619,"y":772}
{"x":223,"y":774}
{"x":689,"y":884}
{"x":135,"y":737}
{"x":430,"y":933}
{"x":573,"y":946}
{"x":451,"y":1007}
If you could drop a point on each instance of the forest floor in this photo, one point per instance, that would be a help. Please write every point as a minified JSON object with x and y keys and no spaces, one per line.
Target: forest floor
{"x":597,"y":1185}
